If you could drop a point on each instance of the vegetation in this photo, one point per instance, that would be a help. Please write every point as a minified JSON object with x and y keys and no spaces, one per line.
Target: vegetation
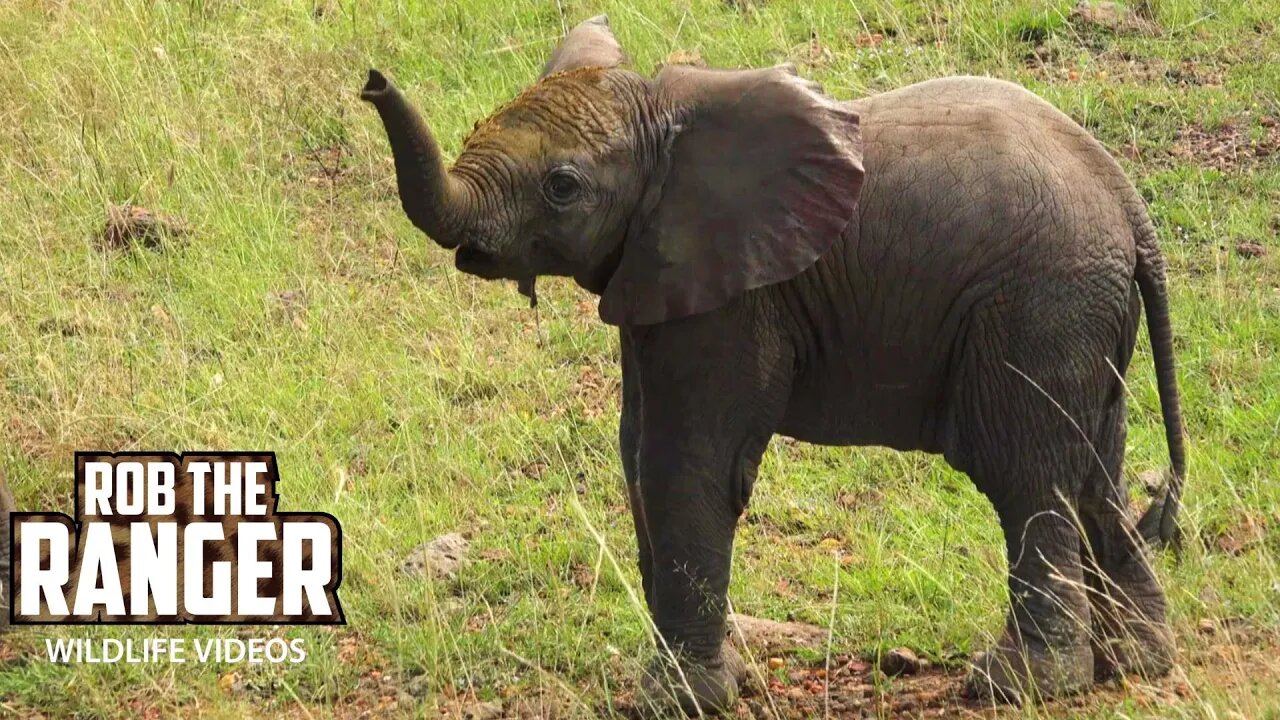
{"x":299,"y":311}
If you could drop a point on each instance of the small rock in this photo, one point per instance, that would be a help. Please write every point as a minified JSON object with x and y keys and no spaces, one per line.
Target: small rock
{"x":1152,"y":481}
{"x":900,"y":661}
{"x":758,"y":709}
{"x":439,"y":558}
{"x":482,"y":711}
{"x":774,"y":637}
{"x":1248,"y":249}
{"x":1041,"y":55}
{"x":419,"y":686}
{"x":231,"y":683}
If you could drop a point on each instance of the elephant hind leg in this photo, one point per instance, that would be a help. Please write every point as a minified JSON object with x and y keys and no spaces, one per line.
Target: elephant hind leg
{"x":1022,"y":415}
{"x":1044,"y":650}
{"x":1031,"y":472}
{"x":1131,"y":634}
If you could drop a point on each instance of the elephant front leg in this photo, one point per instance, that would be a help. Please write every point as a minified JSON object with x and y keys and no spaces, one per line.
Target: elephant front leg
{"x":688,"y":520}
{"x":686,"y":673}
{"x":629,"y":449}
{"x":701,"y":400}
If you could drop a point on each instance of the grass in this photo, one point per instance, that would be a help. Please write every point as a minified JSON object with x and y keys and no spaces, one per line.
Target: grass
{"x":303,"y":314}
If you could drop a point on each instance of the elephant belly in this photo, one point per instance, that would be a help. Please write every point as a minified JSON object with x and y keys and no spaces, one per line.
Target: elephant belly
{"x":872,"y":359}
{"x":897,"y":404}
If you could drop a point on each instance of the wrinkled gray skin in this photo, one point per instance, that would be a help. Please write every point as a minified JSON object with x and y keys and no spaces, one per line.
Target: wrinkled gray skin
{"x":954,"y":267}
{"x":6,"y":549}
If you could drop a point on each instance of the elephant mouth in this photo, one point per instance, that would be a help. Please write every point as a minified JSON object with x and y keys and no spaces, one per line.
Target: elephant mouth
{"x":596,"y":277}
{"x":479,"y":263}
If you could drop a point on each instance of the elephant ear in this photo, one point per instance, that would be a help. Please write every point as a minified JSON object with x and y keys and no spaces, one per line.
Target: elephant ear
{"x":762,"y":176}
{"x":589,"y":44}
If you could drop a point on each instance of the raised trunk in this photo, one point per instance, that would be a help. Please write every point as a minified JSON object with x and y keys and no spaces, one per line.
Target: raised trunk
{"x":432,"y":199}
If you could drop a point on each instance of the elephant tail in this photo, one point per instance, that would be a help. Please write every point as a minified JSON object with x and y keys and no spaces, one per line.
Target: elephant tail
{"x":1159,"y":522}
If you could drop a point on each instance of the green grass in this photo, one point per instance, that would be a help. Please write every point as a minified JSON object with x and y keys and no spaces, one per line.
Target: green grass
{"x":410,"y":401}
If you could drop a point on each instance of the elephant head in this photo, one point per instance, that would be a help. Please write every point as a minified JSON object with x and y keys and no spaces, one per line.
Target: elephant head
{"x":667,"y":196}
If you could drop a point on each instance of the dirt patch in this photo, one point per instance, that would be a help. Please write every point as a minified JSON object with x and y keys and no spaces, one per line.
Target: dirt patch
{"x":594,"y":392}
{"x":129,"y":226}
{"x":1230,"y":147}
{"x":684,"y":57}
{"x":1154,"y":70}
{"x":812,"y":54}
{"x":1113,"y":18}
{"x":324,"y":164}
{"x":531,"y":704}
{"x":329,"y":168}
{"x":1231,"y":657}
{"x":1225,"y":656}
{"x":1056,"y":61}
{"x":749,"y":8}
{"x":1193,"y":74}
{"x":32,"y":435}
{"x":1250,"y":249}
{"x":288,"y":306}
{"x":1247,"y":531}
{"x":1222,"y":656}
{"x":853,"y":688}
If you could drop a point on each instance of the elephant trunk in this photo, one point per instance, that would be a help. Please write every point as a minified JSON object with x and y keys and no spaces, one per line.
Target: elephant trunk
{"x":432,"y":198}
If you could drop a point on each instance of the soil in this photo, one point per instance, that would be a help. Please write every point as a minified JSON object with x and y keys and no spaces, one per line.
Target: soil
{"x":1110,"y":17}
{"x":1230,"y":147}
{"x":1218,"y":656}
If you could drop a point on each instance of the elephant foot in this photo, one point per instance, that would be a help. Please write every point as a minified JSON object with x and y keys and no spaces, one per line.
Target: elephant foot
{"x":697,"y":687}
{"x":1132,"y":646}
{"x":1023,"y":672}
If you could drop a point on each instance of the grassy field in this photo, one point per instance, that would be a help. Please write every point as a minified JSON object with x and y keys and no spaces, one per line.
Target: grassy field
{"x":301,"y":313}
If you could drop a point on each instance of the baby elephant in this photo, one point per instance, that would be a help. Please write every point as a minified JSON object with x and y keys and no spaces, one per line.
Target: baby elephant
{"x":954,"y":267}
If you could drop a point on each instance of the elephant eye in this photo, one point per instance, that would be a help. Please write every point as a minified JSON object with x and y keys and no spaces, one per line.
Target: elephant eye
{"x":562,"y":186}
